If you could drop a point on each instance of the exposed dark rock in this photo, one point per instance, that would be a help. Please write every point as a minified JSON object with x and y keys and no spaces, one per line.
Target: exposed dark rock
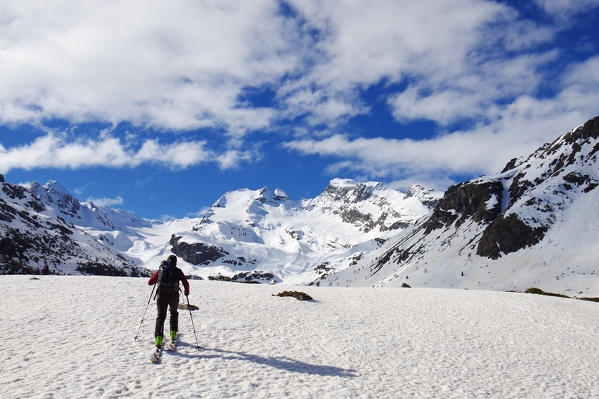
{"x":55,"y":226}
{"x":404,"y":285}
{"x":255,"y":276}
{"x":506,"y":235}
{"x":219,"y":277}
{"x":324,"y":267}
{"x":397,"y":225}
{"x":380,"y":241}
{"x":300,"y":296}
{"x":197,"y":253}
{"x":510,"y":165}
{"x":1,"y":178}
{"x":353,"y":215}
{"x":539,"y":291}
{"x":594,"y":150}
{"x":588,"y":130}
{"x":361,"y":193}
{"x":232,"y":262}
{"x":590,"y":187}
{"x":466,"y":200}
{"x":14,"y":191}
{"x":519,"y":187}
{"x":36,"y":205}
{"x":100,"y":269}
{"x":337,"y":193}
{"x":7,"y":212}
{"x":576,"y":178}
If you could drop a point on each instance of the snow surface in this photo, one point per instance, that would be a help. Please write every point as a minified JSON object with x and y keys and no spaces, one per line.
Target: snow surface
{"x":72,"y":337}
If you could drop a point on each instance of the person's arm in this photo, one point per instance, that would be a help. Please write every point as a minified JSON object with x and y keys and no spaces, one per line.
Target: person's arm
{"x":154,"y":278}
{"x":185,"y":283}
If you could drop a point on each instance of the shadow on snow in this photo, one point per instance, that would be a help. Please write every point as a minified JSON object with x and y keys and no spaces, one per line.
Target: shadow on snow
{"x":281,"y":362}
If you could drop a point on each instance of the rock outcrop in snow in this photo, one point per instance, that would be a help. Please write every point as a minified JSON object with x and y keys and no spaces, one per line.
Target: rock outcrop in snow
{"x":535,"y":224}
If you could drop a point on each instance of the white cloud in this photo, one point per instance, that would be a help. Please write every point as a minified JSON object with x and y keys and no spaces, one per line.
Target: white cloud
{"x":184,"y":65}
{"x":55,"y":151}
{"x":562,"y":9}
{"x":511,"y":130}
{"x":179,"y":64}
{"x":106,"y":202}
{"x":458,"y":57}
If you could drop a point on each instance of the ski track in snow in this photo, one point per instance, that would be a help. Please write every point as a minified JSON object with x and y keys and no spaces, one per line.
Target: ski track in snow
{"x":72,"y":337}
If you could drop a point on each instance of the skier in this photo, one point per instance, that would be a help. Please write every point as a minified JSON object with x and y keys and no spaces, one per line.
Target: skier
{"x":168,"y":277}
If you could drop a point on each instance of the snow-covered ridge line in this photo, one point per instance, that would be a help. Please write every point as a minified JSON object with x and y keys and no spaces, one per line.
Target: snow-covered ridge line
{"x":253,"y":230}
{"x":533,"y":225}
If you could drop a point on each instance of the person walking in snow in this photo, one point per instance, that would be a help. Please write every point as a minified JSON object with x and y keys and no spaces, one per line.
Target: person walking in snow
{"x":168,"y":277}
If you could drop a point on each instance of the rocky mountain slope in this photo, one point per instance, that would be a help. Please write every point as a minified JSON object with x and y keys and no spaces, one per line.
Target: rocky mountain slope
{"x":535,"y":224}
{"x":246,"y":235}
{"x":33,"y":236}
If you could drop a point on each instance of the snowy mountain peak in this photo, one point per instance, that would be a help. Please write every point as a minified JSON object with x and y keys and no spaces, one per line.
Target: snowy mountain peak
{"x":417,"y":190}
{"x":266,"y":195}
{"x":347,"y":190}
{"x":54,"y":187}
{"x":533,"y":224}
{"x":57,"y":197}
{"x":280,"y":195}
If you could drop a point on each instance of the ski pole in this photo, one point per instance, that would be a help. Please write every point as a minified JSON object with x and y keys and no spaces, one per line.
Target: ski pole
{"x":143,"y":317}
{"x":194,"y":328}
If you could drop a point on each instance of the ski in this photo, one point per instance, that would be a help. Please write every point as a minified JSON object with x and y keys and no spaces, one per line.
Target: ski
{"x":172,"y":345}
{"x":156,"y":355}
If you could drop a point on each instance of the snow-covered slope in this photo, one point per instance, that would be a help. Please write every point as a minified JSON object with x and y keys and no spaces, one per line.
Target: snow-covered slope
{"x":298,"y":240}
{"x":534,"y":225}
{"x":251,"y":230}
{"x":72,"y":337}
{"x":34,"y":236}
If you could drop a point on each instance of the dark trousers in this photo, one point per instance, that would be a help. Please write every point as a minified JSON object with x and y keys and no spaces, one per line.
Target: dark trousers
{"x":163,"y":302}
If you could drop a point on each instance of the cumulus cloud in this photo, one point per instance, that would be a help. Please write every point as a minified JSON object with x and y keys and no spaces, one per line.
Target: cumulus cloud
{"x":175,"y":65}
{"x":562,"y":9}
{"x":516,"y":129}
{"x":456,"y":57}
{"x":57,"y":151}
{"x":186,"y":65}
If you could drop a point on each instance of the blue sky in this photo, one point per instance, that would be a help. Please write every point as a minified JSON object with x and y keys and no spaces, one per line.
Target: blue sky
{"x":161,"y":107}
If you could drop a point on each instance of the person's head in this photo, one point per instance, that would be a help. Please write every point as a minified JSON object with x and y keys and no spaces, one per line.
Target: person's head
{"x":172,"y":260}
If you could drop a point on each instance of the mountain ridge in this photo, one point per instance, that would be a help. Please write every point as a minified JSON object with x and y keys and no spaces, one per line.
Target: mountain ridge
{"x":256,"y":232}
{"x":33,"y":237}
{"x":508,"y":231}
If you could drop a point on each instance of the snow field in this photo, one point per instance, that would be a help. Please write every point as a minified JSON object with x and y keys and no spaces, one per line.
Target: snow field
{"x":72,"y":337}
